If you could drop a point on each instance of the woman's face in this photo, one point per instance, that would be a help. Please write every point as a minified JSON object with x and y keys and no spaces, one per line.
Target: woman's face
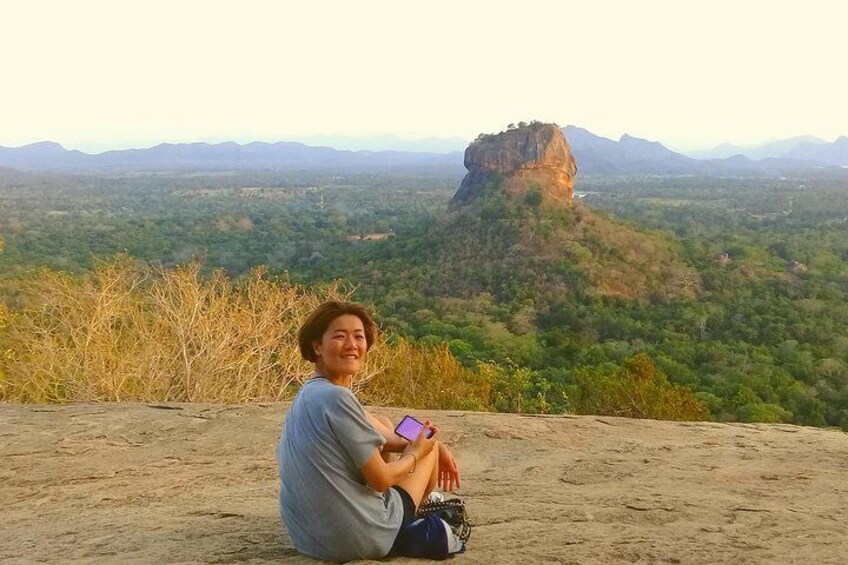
{"x":342,"y":348}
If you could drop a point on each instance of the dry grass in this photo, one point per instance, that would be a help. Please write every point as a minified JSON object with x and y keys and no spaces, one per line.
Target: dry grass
{"x":418,"y":376}
{"x":129,"y":332}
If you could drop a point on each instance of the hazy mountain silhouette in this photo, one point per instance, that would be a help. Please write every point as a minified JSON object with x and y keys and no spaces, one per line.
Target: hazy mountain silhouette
{"x":597,"y":156}
{"x":41,"y":155}
{"x":772,"y":149}
{"x":283,"y":155}
{"x":633,"y":156}
{"x":834,"y":154}
{"x":629,"y":155}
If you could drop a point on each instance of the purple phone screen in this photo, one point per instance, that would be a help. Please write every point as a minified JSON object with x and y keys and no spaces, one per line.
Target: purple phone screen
{"x":409,"y":428}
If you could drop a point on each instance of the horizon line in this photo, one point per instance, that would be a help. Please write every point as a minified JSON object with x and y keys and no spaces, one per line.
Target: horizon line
{"x":376,"y":137}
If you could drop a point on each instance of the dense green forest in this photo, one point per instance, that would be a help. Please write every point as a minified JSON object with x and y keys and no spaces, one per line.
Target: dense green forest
{"x":758,"y":329}
{"x":232,"y":221}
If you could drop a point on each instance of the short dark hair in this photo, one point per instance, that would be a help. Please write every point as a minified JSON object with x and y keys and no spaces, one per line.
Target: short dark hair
{"x":318,"y":321}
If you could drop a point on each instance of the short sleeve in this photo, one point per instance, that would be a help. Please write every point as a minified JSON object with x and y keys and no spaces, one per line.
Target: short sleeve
{"x":352,"y":428}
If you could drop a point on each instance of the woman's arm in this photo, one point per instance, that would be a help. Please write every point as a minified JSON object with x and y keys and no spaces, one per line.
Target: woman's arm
{"x":381,"y":475}
{"x":394,"y":443}
{"x":448,"y":470}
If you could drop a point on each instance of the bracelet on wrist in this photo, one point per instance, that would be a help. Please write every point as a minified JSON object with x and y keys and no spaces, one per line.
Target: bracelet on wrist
{"x":414,"y":460}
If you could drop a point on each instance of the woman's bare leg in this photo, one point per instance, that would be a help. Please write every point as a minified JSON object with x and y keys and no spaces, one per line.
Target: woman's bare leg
{"x":421,"y":482}
{"x":387,"y":456}
{"x":426,"y":472}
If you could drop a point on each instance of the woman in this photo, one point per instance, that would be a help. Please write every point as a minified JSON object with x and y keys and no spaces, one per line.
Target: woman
{"x":342,"y":495}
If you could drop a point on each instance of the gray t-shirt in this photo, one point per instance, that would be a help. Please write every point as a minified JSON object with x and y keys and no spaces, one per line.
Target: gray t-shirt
{"x":329,"y":510}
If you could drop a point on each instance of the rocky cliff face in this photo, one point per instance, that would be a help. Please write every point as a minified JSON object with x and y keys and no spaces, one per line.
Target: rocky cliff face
{"x":518,"y":161}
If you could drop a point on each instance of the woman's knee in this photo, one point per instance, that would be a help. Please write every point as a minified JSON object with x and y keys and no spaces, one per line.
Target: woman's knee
{"x":420,"y":482}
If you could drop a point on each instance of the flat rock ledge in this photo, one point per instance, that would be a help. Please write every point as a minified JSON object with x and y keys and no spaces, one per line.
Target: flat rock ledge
{"x":191,"y":483}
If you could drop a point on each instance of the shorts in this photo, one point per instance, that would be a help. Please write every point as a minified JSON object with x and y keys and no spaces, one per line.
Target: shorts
{"x":408,"y":507}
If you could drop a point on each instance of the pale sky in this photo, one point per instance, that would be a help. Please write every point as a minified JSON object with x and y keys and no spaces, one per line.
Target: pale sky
{"x":95,"y":75}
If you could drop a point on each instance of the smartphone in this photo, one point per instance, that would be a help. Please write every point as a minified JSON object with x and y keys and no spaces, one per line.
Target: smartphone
{"x":409,"y":428}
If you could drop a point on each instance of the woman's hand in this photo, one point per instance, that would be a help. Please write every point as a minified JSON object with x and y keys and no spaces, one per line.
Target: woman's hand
{"x":380,"y":475}
{"x":422,"y":445}
{"x":448,"y":471}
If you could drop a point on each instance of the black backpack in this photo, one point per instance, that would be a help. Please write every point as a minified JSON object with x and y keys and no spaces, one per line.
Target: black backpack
{"x":426,"y":536}
{"x":451,"y":511}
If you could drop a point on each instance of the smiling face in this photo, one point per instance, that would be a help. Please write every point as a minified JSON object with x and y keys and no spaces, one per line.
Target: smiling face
{"x":342,"y":349}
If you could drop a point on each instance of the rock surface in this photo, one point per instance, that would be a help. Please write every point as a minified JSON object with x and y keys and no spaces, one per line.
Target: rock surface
{"x":188,"y":483}
{"x":537,"y":154}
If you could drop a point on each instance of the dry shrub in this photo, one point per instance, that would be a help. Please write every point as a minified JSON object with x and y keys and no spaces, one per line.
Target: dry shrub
{"x":636,"y":390}
{"x":423,"y":377}
{"x":130,"y":332}
{"x":5,"y":354}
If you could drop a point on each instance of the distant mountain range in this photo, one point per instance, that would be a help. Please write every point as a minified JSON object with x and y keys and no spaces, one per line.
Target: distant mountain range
{"x":769,"y":150}
{"x":630,"y":155}
{"x":226,"y":156}
{"x":595,"y":155}
{"x":804,"y":148}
